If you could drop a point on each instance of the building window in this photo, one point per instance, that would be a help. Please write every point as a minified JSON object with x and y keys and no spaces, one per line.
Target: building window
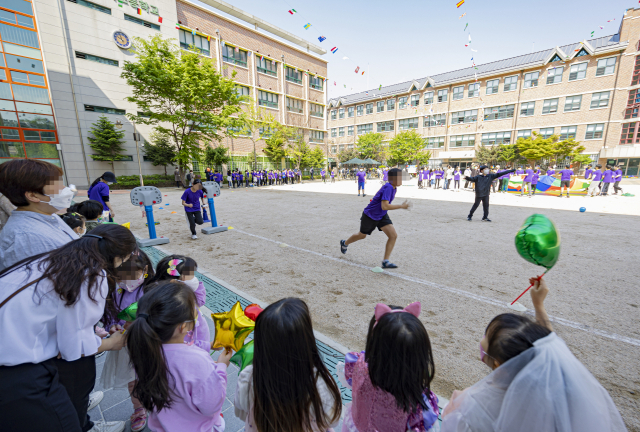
{"x":32,"y":135}
{"x":385,"y":126}
{"x":496,"y":138}
{"x":415,"y":100}
{"x":567,"y":132}
{"x":341,"y":113}
{"x":350,"y":111}
{"x":391,"y":105}
{"x":499,"y":112}
{"x":267,"y":99}
{"x":510,"y":83}
{"x":97,"y":59}
{"x":360,"y":109}
{"x":315,"y":82}
{"x":349,"y":130}
{"x":572,"y":103}
{"x":636,"y":72}
{"x":546,"y":132}
{"x":442,"y":95}
{"x":349,"y":146}
{"x":554,"y":75}
{"x":474,"y":90}
{"x":578,"y":71}
{"x":606,"y":66}
{"x":594,"y":131}
{"x":29,"y":107}
{"x":365,"y":128}
{"x":458,"y":92}
{"x":265,"y":132}
{"x":402,"y":102}
{"x":550,"y":106}
{"x":369,"y":108}
{"x":238,"y":131}
{"x":104,"y":110}
{"x":242,"y":91}
{"x":341,"y":147}
{"x":341,"y":132}
{"x":141,"y":22}
{"x":21,"y":20}
{"x":492,"y":86}
{"x":435,"y":120}
{"x":428,"y":98}
{"x":469,"y":116}
{"x":437,"y":142}
{"x":334,"y":132}
{"x":19,"y":36}
{"x":527,"y":108}
{"x":531,"y":79}
{"x":293,"y":75}
{"x":334,"y":149}
{"x":380,"y":106}
{"x":601,"y":99}
{"x":629,"y":133}
{"x":89,"y":5}
{"x":233,"y":55}
{"x":316,"y":110}
{"x":462,"y":141}
{"x":524,"y":134}
{"x":410,"y":123}
{"x":295,"y":105}
{"x":26,"y":78}
{"x":266,"y":66}
{"x":316,"y":136}
{"x":333,"y":114}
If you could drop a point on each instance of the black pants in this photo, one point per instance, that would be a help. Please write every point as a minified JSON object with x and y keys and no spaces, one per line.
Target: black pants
{"x":456,"y":184}
{"x":79,"y":377}
{"x":485,"y":206}
{"x":605,"y":188}
{"x":616,"y":187}
{"x":437,"y":183}
{"x":194,"y":218}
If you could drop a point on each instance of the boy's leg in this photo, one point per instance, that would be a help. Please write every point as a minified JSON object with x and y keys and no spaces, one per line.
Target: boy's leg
{"x":390,"y":231}
{"x":474,"y":207}
{"x":198,"y":218}
{"x":485,"y":207}
{"x":192,"y":222}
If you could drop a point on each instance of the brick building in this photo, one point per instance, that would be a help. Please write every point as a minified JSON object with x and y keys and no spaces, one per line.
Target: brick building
{"x":587,"y":90}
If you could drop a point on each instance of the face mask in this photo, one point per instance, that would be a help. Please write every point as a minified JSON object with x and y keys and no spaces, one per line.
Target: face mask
{"x":62,"y":200}
{"x":482,"y":353}
{"x":131,"y":285}
{"x":192,"y":283}
{"x":84,"y":231}
{"x":485,"y":171}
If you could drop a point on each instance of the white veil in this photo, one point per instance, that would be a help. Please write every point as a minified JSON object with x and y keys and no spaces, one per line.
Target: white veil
{"x":545,"y":388}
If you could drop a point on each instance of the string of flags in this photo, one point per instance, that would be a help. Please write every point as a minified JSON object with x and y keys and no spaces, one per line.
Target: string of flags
{"x":307,"y":26}
{"x":293,"y":11}
{"x":460,"y":3}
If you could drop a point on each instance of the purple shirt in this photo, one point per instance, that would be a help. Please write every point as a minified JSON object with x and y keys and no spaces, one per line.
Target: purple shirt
{"x":519,"y":171}
{"x":566,"y":174}
{"x":322,"y":173}
{"x":200,"y":387}
{"x":332,"y":174}
{"x":529,"y":177}
{"x":536,"y":175}
{"x":587,"y":173}
{"x":597,"y":176}
{"x":550,"y":172}
{"x":122,"y":299}
{"x":97,"y":192}
{"x":618,"y":176}
{"x":608,"y":176}
{"x":456,"y":175}
{"x":386,"y":193}
{"x":385,"y":175}
{"x":361,"y":175}
{"x":191,"y":197}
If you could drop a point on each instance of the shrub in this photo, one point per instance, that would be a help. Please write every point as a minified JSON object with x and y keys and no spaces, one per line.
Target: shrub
{"x":132,"y":181}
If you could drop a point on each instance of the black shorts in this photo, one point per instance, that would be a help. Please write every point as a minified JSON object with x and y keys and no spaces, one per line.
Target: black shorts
{"x":367,"y":225}
{"x":565,"y":183}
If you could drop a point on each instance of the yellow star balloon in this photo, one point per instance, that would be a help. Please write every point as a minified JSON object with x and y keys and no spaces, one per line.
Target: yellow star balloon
{"x":232,"y":328}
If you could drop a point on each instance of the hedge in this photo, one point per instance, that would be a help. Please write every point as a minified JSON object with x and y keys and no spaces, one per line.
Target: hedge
{"x":132,"y":181}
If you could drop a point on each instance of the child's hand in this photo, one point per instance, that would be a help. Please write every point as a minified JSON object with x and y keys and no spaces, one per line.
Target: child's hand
{"x":117,"y":341}
{"x":215,"y":349}
{"x":539,"y":292}
{"x":406,"y":204}
{"x":225,"y":356}
{"x":114,"y":328}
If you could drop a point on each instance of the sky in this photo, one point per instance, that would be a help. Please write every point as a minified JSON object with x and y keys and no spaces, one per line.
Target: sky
{"x":401,"y":40}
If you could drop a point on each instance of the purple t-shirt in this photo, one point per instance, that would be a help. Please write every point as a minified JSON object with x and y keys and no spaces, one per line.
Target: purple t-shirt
{"x":536,"y":175}
{"x":529,"y":177}
{"x":361,"y":175}
{"x":519,"y":171}
{"x":97,"y":192}
{"x":597,"y":175}
{"x":550,"y":172}
{"x":608,"y":176}
{"x":385,"y":175}
{"x":386,"y":193}
{"x":191,"y":197}
{"x":566,"y":174}
{"x":618,"y":176}
{"x":456,"y":175}
{"x":587,"y":173}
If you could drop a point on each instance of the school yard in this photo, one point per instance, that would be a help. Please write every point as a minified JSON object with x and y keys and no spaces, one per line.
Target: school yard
{"x":285,"y":242}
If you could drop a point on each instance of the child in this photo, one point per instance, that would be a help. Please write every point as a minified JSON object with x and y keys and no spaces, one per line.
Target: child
{"x":482,"y":184}
{"x":117,"y":371}
{"x":595,"y":181}
{"x":375,"y":216}
{"x":333,"y":176}
{"x":91,"y":210}
{"x":534,"y":181}
{"x":322,"y":174}
{"x":456,"y":179}
{"x":76,"y":222}
{"x":183,"y":268}
{"x":361,"y":180}
{"x":191,"y":201}
{"x":288,"y":387}
{"x":526,"y":182}
{"x":180,"y":386}
{"x":391,"y":380}
{"x":565,"y":181}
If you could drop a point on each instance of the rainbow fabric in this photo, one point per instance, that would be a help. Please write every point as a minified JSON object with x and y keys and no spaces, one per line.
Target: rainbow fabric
{"x":548,"y":185}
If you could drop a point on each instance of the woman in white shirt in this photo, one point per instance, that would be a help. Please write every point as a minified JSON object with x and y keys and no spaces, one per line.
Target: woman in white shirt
{"x":49,"y":304}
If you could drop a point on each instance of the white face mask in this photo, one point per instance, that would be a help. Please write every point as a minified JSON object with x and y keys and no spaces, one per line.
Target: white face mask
{"x":84,"y":231}
{"x":485,"y":171}
{"x":131,"y":285}
{"x":61,"y":200}
{"x":192,"y":283}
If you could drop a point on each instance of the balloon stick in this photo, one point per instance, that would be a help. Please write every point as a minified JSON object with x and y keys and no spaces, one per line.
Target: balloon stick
{"x":524,"y":292}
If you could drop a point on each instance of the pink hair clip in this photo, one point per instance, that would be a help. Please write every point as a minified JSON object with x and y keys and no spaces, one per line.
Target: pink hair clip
{"x":382,"y":309}
{"x":172,"y":267}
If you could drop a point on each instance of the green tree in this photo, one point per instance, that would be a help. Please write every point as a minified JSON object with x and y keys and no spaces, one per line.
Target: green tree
{"x":106,"y":141}
{"x":275,"y":148}
{"x":370,"y":145}
{"x":536,"y":147}
{"x":571,"y":149}
{"x":508,"y":153}
{"x":315,"y":158}
{"x":216,"y":156}
{"x":160,"y":150}
{"x":488,"y":155}
{"x":348,"y":154}
{"x":407,"y":147}
{"x":298,"y":151}
{"x":182,"y":94}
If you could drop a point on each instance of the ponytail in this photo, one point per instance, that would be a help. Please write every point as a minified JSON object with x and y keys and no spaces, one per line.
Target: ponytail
{"x":95,"y":182}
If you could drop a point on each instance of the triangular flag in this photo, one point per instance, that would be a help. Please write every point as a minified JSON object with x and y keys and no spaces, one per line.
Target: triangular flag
{"x":177,"y":25}
{"x":193,"y":32}
{"x":139,"y":11}
{"x":208,"y":38}
{"x":334,"y":49}
{"x":380,"y":88}
{"x":465,"y":27}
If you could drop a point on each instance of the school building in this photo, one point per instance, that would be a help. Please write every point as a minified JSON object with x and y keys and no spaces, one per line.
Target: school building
{"x":587,"y":90}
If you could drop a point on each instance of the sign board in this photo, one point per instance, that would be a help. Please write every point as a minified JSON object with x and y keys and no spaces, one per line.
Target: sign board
{"x":146,"y":195}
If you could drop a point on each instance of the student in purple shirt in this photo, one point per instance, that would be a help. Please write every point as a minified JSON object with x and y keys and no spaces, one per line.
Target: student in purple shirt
{"x":385,"y":175}
{"x":361,"y":179}
{"x":534,"y":181}
{"x":617,"y":177}
{"x":333,"y":175}
{"x":607,"y":178}
{"x":519,"y":170}
{"x":526,"y":182}
{"x":588,"y":172}
{"x":456,"y":179}
{"x":99,"y":191}
{"x":565,"y":180}
{"x":596,"y":181}
{"x":551,"y":170}
{"x":191,"y":201}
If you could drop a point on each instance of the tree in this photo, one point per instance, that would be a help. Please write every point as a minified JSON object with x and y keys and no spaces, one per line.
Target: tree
{"x":488,"y":155}
{"x":315,"y":158}
{"x":508,"y":153}
{"x":407,"y":147}
{"x":346,"y":155}
{"x":298,"y":151}
{"x":370,"y":145}
{"x":571,"y":149}
{"x":275,"y":144}
{"x":106,"y":142}
{"x":182,"y":94}
{"x":257,"y":121}
{"x":160,"y":150}
{"x":536,"y":147}
{"x":216,"y":156}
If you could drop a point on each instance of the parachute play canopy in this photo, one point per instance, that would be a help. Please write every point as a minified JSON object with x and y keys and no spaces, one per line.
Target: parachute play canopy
{"x":549,"y":185}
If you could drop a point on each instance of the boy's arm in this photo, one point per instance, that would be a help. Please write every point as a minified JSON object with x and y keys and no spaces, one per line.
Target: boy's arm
{"x":538,"y":294}
{"x":471,"y":179}
{"x":386,"y":206}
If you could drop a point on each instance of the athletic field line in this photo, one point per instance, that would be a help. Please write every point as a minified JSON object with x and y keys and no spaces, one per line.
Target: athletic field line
{"x":488,"y":300}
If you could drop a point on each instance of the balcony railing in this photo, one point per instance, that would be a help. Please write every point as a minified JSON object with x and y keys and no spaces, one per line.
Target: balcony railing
{"x":267,"y":71}
{"x":294,"y":109}
{"x":316,"y":86}
{"x":234,"y":61}
{"x":294,"y":79}
{"x":267,"y":103}
{"x":317,"y":114}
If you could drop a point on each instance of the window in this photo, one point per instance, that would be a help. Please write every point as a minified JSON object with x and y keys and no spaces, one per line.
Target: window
{"x":239,"y":131}
{"x":435,"y":120}
{"x":294,"y":105}
{"x":601,"y":100}
{"x":428,"y":98}
{"x":437,"y":142}
{"x":142,"y":22}
{"x":33,"y":108}
{"x":23,"y":63}
{"x":316,"y":110}
{"x":316,"y":136}
{"x":341,"y":113}
{"x":578,"y":71}
{"x":369,"y":108}
{"x":594,"y":131}
{"x":10,"y":134}
{"x":380,"y":106}
{"x":531,"y":79}
{"x":496,"y":138}
{"x":391,"y":104}
{"x":96,"y":59}
{"x":315,"y":82}
{"x":492,"y":86}
{"x":550,"y":106}
{"x":18,"y":35}
{"x":410,"y":123}
{"x":510,"y":83}
{"x":546,"y":132}
{"x":606,"y":66}
{"x":385,"y":126}
{"x":554,"y":75}
{"x":267,"y":66}
{"x":572,"y":103}
{"x":360,"y":109}
{"x":293,"y":75}
{"x":629,"y":135}
{"x":32,"y":135}
{"x":350,"y":111}
{"x":462,"y":141}
{"x":341,"y":147}
{"x":349,"y":130}
{"x":499,"y":112}
{"x":349,"y":146}
{"x":474,"y":90}
{"x":365,"y":128}
{"x":334,"y":132}
{"x":334,"y":149}
{"x":442,"y":95}
{"x":636,"y":72}
{"x":233,"y":55}
{"x":265,"y":132}
{"x":242,"y":91}
{"x":527,"y":108}
{"x":13,"y":18}
{"x":8,"y":118}
{"x":402,"y":102}
{"x":415,"y":100}
{"x":21,"y":77}
{"x":333,"y":114}
{"x":268,"y":99}
{"x":104,"y":110}
{"x":341,"y":132}
{"x":36,"y":121}
{"x":524,"y":134}
{"x":92,"y":6}
{"x":468,"y":116}
{"x":458,"y":92}
{"x":567,"y":132}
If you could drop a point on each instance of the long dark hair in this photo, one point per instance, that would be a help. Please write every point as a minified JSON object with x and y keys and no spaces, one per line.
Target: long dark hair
{"x":139,"y":261}
{"x":188,"y":265}
{"x":284,"y":379}
{"x":169,"y":305}
{"x":509,"y":335}
{"x":399,"y":357}
{"x":73,"y":220}
{"x":90,"y":209}
{"x":83,"y":261}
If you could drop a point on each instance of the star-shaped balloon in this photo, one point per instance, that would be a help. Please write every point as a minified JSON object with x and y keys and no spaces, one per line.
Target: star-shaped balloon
{"x":244,"y":357}
{"x":538,"y":241}
{"x":232,"y":328}
{"x":129,"y":313}
{"x":252,"y":311}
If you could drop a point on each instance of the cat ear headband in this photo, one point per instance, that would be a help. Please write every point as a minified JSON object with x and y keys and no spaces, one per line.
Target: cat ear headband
{"x":172,"y":267}
{"x":382,"y":309}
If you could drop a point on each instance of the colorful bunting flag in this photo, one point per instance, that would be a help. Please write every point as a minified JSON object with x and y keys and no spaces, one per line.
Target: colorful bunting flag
{"x":307,"y":26}
{"x":160,"y":20}
{"x":208,"y":38}
{"x":462,"y":15}
{"x":345,"y":86}
{"x":362,"y":72}
{"x":193,"y":32}
{"x":177,"y":25}
{"x":334,"y":83}
{"x":334,"y":49}
{"x":380,"y":88}
{"x":465,"y":27}
{"x":119,"y":4}
{"x":357,"y":69}
{"x":292,"y":11}
{"x":139,"y":11}
{"x":321,"y":38}
{"x":460,"y":3}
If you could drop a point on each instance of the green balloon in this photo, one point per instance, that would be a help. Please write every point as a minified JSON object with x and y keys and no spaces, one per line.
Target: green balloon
{"x":244,"y":357}
{"x":538,"y":241}
{"x":129,"y":314}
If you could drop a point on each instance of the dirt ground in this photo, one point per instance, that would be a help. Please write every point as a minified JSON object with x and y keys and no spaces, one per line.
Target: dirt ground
{"x":463,"y":273}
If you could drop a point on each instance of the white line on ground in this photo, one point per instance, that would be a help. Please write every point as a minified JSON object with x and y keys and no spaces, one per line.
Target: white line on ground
{"x":502,"y":304}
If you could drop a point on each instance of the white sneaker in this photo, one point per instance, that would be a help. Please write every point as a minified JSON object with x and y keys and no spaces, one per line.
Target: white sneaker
{"x":193,"y":237}
{"x":94,"y":399}
{"x":101,"y":426}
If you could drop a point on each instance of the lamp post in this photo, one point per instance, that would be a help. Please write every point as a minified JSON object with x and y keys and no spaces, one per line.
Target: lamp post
{"x":136,"y":138}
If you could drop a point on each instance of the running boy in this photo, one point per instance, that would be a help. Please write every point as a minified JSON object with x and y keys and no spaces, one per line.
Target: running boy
{"x":375,"y":216}
{"x":191,"y":201}
{"x":361,"y":179}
